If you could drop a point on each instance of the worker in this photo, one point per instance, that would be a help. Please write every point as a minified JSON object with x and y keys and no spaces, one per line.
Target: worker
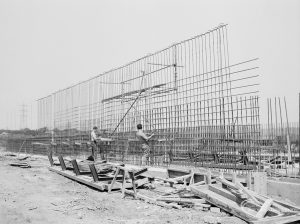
{"x":144,"y":144}
{"x":95,"y":145}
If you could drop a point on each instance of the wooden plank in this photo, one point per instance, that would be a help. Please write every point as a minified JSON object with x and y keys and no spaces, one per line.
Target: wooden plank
{"x":82,"y":179}
{"x":229,"y":198}
{"x":202,"y":205}
{"x":199,"y":183}
{"x":233,"y":197}
{"x":141,"y":182}
{"x":247,"y":192}
{"x":182,"y":200}
{"x":109,"y":178}
{"x":22,"y":165}
{"x":286,"y":205}
{"x":173,"y":173}
{"x":165,"y":180}
{"x":227,"y":183}
{"x":139,"y":172}
{"x":105,"y":184}
{"x":153,"y":200}
{"x":224,"y":193}
{"x":279,"y":220}
{"x":222,"y":202}
{"x":280,"y":206}
{"x":118,"y":186}
{"x":97,"y":178}
{"x":264,"y":209}
{"x":181,"y":177}
{"x":141,"y":196}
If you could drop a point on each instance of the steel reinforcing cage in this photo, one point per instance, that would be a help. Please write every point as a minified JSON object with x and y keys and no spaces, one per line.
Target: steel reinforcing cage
{"x":203,"y":109}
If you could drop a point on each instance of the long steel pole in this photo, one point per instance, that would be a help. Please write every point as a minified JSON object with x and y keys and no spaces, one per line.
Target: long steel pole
{"x":288,"y":133}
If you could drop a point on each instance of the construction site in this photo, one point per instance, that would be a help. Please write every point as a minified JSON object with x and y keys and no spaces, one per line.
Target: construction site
{"x":212,"y":159}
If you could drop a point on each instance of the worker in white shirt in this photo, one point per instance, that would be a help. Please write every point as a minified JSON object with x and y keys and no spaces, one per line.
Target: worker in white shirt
{"x":94,"y":144}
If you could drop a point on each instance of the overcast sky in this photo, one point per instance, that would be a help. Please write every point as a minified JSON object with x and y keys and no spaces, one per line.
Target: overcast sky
{"x":50,"y":45}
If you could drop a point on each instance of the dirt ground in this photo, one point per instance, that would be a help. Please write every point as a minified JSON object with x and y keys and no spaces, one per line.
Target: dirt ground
{"x":37,"y":195}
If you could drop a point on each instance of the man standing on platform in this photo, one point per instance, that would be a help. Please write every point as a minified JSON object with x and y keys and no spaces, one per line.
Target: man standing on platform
{"x":144,"y":144}
{"x":94,"y":144}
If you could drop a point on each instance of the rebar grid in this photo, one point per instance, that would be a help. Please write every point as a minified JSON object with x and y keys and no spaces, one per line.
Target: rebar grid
{"x":279,"y":141}
{"x":202,"y":110}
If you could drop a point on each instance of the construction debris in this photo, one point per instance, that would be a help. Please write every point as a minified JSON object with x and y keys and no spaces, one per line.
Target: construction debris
{"x":19,"y":161}
{"x":246,"y":204}
{"x":192,"y":190}
{"x":20,"y":164}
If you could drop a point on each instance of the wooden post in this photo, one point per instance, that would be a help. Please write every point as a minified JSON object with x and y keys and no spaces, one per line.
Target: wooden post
{"x":288,"y":134}
{"x":50,"y":159}
{"x":62,"y":163}
{"x":75,"y":167}
{"x":248,"y":181}
{"x":192,"y":180}
{"x":114,"y":180}
{"x":133,"y":183}
{"x":260,"y":183}
{"x":208,"y":177}
{"x":234,"y":177}
{"x":299,"y":136}
{"x":94,"y":172}
{"x":123,"y":182}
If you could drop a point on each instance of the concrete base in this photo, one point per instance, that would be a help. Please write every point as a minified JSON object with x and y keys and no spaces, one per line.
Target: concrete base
{"x":285,"y":189}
